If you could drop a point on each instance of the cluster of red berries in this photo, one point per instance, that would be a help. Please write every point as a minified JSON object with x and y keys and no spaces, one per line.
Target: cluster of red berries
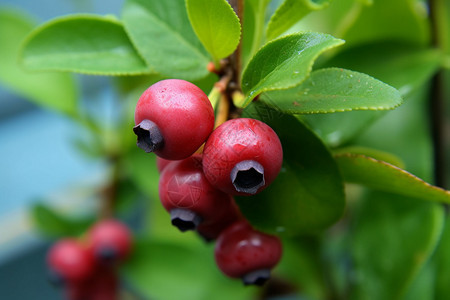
{"x":174,"y":118}
{"x":87,"y":267}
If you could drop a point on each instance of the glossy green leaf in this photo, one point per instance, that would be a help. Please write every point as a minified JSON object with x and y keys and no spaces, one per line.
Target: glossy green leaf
{"x":14,"y":26}
{"x":392,"y":238}
{"x":383,"y":176}
{"x":413,"y":65}
{"x":166,"y":271}
{"x":87,"y":44}
{"x":284,"y":63}
{"x":163,"y":35}
{"x":334,"y":90}
{"x":216,"y":25}
{"x":52,"y":223}
{"x":370,"y":152}
{"x":316,"y":202}
{"x":289,"y":13}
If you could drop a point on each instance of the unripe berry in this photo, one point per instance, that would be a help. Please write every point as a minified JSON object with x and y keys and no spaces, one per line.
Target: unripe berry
{"x":173,"y":119}
{"x":110,"y":241}
{"x":69,"y":261}
{"x":187,"y":195}
{"x":242,"y":156}
{"x":243,"y":252}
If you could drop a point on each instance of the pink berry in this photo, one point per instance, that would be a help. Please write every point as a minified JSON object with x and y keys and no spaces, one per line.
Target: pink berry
{"x":69,"y":260}
{"x":173,"y":119}
{"x":243,"y":252}
{"x":242,"y":156}
{"x":187,"y":195}
{"x":110,"y":240}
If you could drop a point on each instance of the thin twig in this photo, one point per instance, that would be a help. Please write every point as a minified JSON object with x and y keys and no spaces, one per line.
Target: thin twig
{"x":437,"y":106}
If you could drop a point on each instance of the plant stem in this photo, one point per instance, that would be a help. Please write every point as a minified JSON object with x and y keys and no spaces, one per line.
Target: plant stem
{"x":109,"y":193}
{"x":437,"y":96}
{"x":238,"y":6}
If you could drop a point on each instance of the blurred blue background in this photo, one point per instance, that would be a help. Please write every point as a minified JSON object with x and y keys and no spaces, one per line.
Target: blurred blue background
{"x":38,"y":162}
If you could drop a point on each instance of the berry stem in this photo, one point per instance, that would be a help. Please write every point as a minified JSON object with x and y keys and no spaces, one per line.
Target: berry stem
{"x":109,"y":193}
{"x":214,"y":96}
{"x":223,"y":111}
{"x":236,"y":58}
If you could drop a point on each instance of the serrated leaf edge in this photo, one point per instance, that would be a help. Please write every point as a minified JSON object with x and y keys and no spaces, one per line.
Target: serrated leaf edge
{"x":337,"y":41}
{"x":360,"y":108}
{"x":403,"y":172}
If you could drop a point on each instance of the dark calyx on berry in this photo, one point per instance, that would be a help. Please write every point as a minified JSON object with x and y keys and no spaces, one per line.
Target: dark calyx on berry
{"x":149,"y":136}
{"x":247,"y":176}
{"x":184,"y":219}
{"x":258,"y":277}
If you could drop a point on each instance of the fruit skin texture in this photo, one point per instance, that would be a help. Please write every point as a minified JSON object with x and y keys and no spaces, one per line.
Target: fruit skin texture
{"x":71,"y":260}
{"x":239,"y":140}
{"x":110,"y":236}
{"x":240,"y":249}
{"x":183,"y":114}
{"x":183,"y":185}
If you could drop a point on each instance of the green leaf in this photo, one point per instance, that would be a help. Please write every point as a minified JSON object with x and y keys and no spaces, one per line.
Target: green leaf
{"x":338,"y":129}
{"x":162,"y":33}
{"x":253,"y":28}
{"x":383,"y":176}
{"x":392,"y":238}
{"x":373,"y":153}
{"x":165,"y":271}
{"x":87,"y":44}
{"x":413,"y":65}
{"x":334,"y":90}
{"x":53,"y":224}
{"x":62,"y":95}
{"x":307,"y":196}
{"x":289,"y":13}
{"x":216,"y":25}
{"x":442,"y":263}
{"x":401,"y":20}
{"x":284,"y":63}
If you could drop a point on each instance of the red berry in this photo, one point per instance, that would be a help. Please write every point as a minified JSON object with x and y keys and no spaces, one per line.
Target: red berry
{"x":70,"y":260}
{"x":102,"y":285}
{"x":243,"y":252}
{"x":173,"y":119}
{"x":187,"y":195}
{"x":161,"y":163}
{"x":242,"y":156}
{"x":211,"y":229}
{"x":110,"y":240}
